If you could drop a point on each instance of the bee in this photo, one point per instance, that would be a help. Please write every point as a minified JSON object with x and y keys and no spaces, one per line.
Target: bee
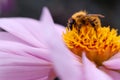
{"x":81,"y":18}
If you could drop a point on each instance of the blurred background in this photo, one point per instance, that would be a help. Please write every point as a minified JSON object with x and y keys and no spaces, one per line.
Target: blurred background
{"x":61,"y":10}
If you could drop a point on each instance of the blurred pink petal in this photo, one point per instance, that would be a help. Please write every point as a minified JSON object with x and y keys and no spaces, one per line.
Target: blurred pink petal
{"x":60,"y":29}
{"x":24,"y":50}
{"x":21,"y":29}
{"x":20,"y":62}
{"x":91,"y":72}
{"x":24,"y":53}
{"x":47,"y":29}
{"x":113,"y":63}
{"x":15,"y":67}
{"x":29,"y":30}
{"x":65,"y":63}
{"x":46,"y":16}
{"x":114,"y":74}
{"x":9,"y":37}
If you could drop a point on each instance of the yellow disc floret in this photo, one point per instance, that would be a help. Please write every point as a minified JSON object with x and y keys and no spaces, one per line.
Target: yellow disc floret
{"x":99,"y":44}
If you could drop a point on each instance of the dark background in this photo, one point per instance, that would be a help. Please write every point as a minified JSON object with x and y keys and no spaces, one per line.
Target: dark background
{"x":61,"y":10}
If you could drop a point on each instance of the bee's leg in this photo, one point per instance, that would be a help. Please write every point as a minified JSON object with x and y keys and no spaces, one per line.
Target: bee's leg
{"x":78,"y":28}
{"x":69,"y":26}
{"x":92,"y":22}
{"x":71,"y":22}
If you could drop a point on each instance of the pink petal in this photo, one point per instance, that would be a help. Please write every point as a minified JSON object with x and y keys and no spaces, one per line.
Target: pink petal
{"x":65,"y":63}
{"x":33,"y":32}
{"x":46,"y":16}
{"x":60,"y":29}
{"x":114,"y":74}
{"x":24,"y":50}
{"x":30,"y":30}
{"x":91,"y":72}
{"x":16,"y":67}
{"x":113,"y":63}
{"x":21,"y":29}
{"x":9,"y":37}
{"x":49,"y":27}
{"x":21,"y":62}
{"x":41,"y":31}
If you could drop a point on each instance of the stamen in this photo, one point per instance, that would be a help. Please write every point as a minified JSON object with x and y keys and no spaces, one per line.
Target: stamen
{"x":99,"y":45}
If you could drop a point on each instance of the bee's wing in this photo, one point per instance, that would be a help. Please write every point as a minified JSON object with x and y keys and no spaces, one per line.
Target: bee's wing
{"x":99,"y":15}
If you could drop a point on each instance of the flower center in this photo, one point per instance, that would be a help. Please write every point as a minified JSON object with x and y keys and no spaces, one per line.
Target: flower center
{"x":99,"y":44}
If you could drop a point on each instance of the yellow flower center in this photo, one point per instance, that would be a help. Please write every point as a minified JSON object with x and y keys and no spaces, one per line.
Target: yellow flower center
{"x":99,"y":44}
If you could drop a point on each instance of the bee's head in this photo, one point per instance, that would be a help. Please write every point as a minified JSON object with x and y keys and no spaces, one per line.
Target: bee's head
{"x":78,"y":14}
{"x":71,"y":22}
{"x":80,"y":17}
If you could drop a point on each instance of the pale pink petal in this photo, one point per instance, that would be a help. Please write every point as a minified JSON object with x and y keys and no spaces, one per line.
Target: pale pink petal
{"x":35,"y":33}
{"x":114,"y":74}
{"x":49,"y":25}
{"x":16,"y":67}
{"x":22,"y":62}
{"x":30,"y":30}
{"x":47,"y":19}
{"x":60,"y":29}
{"x":38,"y":31}
{"x":20,"y":29}
{"x":9,"y":37}
{"x":113,"y":62}
{"x":24,"y":50}
{"x":65,"y":63}
{"x":46,"y":16}
{"x":41,"y":31}
{"x":91,"y":72}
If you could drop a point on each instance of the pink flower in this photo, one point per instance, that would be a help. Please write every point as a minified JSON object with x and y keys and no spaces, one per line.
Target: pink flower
{"x":35,"y":50}
{"x":24,"y":53}
{"x":68,"y":66}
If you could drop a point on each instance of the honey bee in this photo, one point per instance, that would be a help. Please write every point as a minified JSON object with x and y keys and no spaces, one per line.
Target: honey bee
{"x":81,"y":18}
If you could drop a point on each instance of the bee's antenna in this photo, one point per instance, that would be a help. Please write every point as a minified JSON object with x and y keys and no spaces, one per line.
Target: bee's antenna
{"x":99,"y":15}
